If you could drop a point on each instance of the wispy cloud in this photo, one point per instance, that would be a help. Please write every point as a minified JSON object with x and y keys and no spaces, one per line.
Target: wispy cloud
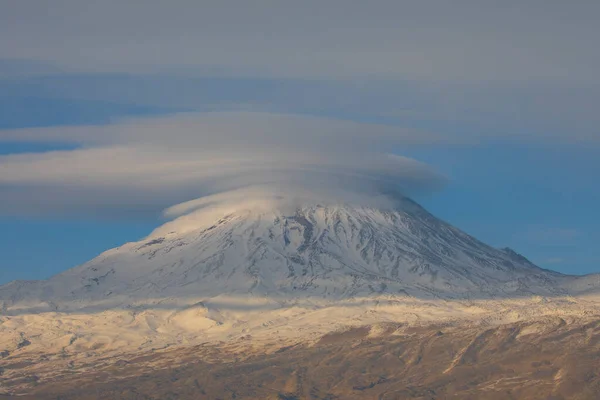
{"x":459,"y":113}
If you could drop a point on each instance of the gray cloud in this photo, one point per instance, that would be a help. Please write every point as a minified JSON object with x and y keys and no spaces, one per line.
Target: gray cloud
{"x":467,"y":70}
{"x":470,"y":69}
{"x":461,"y":40}
{"x":156,"y":162}
{"x":463,"y":113}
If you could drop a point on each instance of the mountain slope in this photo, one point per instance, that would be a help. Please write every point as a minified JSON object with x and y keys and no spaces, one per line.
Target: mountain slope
{"x":329,"y":252}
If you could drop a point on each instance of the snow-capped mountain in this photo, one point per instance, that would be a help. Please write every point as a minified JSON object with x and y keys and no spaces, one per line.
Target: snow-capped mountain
{"x":327,"y":252}
{"x":256,"y":277}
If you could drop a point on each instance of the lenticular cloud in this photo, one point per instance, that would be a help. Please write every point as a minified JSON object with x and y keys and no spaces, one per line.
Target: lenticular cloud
{"x":146,"y":165}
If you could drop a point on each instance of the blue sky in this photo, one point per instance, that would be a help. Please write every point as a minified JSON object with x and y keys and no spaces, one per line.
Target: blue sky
{"x":513,"y":130}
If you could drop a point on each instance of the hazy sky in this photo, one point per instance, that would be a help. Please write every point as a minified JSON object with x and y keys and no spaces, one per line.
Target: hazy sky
{"x":112,"y":111}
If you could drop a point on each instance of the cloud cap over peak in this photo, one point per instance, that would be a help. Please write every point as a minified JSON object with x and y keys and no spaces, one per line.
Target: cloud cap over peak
{"x":150,"y":164}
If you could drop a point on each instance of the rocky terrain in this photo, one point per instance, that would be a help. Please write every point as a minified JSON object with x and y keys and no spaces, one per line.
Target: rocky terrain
{"x":549,"y":358}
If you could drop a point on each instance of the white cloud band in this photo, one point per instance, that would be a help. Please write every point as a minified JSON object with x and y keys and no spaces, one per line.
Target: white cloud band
{"x":157,"y":162}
